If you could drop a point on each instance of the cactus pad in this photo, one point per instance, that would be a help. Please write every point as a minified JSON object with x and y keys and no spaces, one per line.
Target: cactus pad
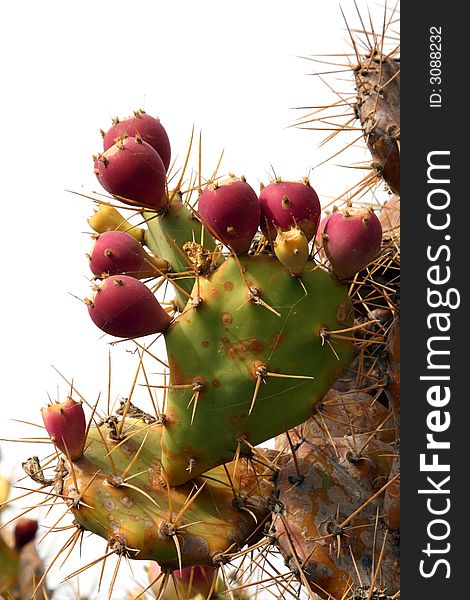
{"x":118,"y":491}
{"x":250,"y":361}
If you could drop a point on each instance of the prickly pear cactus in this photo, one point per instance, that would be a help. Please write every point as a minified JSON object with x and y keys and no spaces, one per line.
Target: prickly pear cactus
{"x":278,"y":327}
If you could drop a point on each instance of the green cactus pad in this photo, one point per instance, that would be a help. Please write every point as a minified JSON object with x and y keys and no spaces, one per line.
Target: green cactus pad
{"x":166,"y":236}
{"x":117,"y":490}
{"x":262,"y":319}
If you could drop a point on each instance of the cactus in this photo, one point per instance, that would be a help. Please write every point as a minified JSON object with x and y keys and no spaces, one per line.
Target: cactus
{"x":263,"y":340}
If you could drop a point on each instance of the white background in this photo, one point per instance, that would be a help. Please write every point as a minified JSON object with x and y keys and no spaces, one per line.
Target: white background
{"x":232,"y":69}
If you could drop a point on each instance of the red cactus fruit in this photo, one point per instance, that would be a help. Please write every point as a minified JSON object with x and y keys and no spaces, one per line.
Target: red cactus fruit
{"x":118,"y":253}
{"x":133,"y":172}
{"x":351,"y":240}
{"x":24,"y":532}
{"x":66,"y":425}
{"x":125,"y":307}
{"x":147,"y":127}
{"x":286,"y":204}
{"x":230,"y":209}
{"x":191,"y":582}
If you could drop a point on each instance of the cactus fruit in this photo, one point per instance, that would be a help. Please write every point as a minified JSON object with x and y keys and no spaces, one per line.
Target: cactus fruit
{"x":351,"y":240}
{"x":65,"y":424}
{"x":25,"y":531}
{"x":133,"y":172}
{"x":230,"y":210}
{"x":147,"y":127}
{"x":124,"y":307}
{"x":118,"y":253}
{"x":291,"y":249}
{"x":107,"y":218}
{"x":286,"y":204}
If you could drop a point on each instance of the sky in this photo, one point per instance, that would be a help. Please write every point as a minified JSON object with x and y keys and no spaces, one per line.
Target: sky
{"x":233,"y":70}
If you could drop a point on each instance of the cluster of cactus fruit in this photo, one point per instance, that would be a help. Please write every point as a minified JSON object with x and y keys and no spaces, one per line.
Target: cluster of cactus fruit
{"x":282,"y":325}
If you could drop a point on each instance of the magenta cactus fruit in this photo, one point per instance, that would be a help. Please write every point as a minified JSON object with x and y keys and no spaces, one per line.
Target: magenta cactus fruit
{"x":351,"y":240}
{"x":286,"y":204}
{"x":125,"y":307}
{"x":66,"y":425}
{"x":230,"y":210}
{"x":24,"y":532}
{"x":118,"y":253}
{"x":133,"y":172}
{"x":147,"y":127}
